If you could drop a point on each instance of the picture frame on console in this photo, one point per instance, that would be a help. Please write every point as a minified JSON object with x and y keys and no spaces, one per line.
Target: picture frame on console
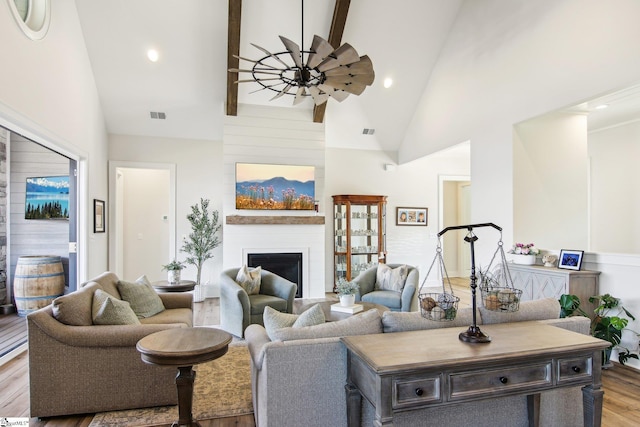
{"x":570,"y":259}
{"x":411,"y":216}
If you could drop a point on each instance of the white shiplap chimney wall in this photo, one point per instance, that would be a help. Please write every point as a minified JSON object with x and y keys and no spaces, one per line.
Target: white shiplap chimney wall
{"x":284,"y":136}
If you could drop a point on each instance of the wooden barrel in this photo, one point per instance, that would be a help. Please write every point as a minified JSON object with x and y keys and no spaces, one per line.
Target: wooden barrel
{"x":37,"y":282}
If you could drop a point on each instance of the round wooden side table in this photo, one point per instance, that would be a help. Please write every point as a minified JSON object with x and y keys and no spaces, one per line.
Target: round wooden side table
{"x":181,"y":286}
{"x":183,"y":348}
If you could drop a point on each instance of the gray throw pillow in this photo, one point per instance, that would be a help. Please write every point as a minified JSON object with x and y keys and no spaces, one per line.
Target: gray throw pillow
{"x":144,"y":300}
{"x":108,"y":310}
{"x":368,"y":322}
{"x":274,"y":320}
{"x":75,"y":308}
{"x":391,"y":279}
{"x":249,"y":279}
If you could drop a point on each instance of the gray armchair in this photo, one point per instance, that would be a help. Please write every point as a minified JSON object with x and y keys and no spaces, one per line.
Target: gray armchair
{"x":396,"y":301}
{"x":238,"y":309}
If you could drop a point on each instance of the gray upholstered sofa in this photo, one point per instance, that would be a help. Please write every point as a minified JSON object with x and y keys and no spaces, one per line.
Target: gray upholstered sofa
{"x":303,"y":376}
{"x":238,"y":309}
{"x":396,"y":301}
{"x":85,"y":368}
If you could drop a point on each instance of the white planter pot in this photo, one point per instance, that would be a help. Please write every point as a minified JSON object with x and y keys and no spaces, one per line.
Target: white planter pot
{"x":347,"y":300}
{"x":173,"y":276}
{"x":524,"y":259}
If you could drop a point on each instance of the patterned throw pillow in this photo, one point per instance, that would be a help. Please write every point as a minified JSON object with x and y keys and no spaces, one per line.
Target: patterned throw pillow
{"x":274,"y":320}
{"x":108,"y":310}
{"x":144,"y":300}
{"x":249,"y":279}
{"x":391,"y":279}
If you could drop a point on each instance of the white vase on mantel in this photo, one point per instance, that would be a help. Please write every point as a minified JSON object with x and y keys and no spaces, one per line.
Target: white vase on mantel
{"x":523,"y":259}
{"x":347,"y":300}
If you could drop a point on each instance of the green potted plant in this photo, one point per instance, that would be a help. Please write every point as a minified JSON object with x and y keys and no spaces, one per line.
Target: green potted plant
{"x":203,"y":239}
{"x":607,"y":324}
{"x":347,"y":292}
{"x":173,"y":269}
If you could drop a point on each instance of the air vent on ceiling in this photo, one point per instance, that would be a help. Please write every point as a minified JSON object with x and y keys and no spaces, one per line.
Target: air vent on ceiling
{"x":366,"y":131}
{"x":158,"y":115}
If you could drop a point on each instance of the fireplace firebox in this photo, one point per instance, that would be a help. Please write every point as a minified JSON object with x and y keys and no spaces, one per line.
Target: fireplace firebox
{"x":287,"y":265}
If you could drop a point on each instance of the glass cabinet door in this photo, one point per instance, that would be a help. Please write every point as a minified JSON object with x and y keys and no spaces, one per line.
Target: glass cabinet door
{"x":359,"y":234}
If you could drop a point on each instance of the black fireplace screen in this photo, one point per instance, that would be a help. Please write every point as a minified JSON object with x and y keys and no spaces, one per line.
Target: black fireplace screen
{"x":287,"y":265}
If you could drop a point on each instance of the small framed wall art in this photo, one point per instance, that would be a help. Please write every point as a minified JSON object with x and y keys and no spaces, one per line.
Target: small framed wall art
{"x":570,"y":260}
{"x":411,"y":216}
{"x":98,"y":216}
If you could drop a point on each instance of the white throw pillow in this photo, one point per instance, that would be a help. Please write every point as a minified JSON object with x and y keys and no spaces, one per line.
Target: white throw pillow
{"x":249,"y":279}
{"x":391,"y":279}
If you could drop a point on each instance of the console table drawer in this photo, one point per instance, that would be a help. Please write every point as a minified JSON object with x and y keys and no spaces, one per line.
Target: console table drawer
{"x":467,"y":384}
{"x":574,"y":369}
{"x":410,"y":391}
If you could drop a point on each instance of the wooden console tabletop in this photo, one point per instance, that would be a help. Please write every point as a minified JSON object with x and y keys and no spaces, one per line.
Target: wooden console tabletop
{"x":412,"y":370}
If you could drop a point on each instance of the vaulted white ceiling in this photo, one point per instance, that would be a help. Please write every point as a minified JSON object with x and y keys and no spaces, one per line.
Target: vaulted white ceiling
{"x":188,"y":83}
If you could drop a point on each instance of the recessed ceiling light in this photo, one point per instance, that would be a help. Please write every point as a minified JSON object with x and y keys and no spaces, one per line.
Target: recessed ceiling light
{"x":153,"y":55}
{"x":602,"y":106}
{"x":388,"y":82}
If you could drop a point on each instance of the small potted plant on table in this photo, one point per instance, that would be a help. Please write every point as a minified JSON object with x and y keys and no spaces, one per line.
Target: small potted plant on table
{"x":173,"y":271}
{"x":347,"y":292}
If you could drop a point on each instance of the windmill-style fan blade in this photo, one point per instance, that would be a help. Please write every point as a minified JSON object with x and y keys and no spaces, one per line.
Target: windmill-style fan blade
{"x":271,"y":55}
{"x":258,"y":62}
{"x":266,"y":87}
{"x":351,"y":87}
{"x":362,"y":68}
{"x":282,"y":92}
{"x":338,"y":95}
{"x":252,"y":80}
{"x":343,"y":55}
{"x":318,"y":96}
{"x":365,"y":79}
{"x":238,"y":70}
{"x":320,"y":49}
{"x":299,"y":95}
{"x":294,"y":51}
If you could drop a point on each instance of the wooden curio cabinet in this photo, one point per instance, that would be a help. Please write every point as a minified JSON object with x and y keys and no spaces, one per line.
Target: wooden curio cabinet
{"x":359,"y":234}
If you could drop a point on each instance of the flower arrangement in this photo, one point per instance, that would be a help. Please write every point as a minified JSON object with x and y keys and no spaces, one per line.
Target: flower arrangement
{"x":173,"y":265}
{"x":344,"y":287}
{"x":524,"y":249}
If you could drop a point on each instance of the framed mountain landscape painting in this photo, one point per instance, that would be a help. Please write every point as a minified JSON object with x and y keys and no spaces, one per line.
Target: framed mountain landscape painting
{"x":274,"y":187}
{"x":47,"y":197}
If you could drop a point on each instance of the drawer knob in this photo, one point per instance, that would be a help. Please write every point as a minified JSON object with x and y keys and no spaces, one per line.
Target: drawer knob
{"x":419,"y":392}
{"x":504,"y":380}
{"x":576,"y":369}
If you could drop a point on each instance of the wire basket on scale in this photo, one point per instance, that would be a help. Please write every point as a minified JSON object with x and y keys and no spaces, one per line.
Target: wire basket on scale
{"x":438,"y":306}
{"x":496,"y":286}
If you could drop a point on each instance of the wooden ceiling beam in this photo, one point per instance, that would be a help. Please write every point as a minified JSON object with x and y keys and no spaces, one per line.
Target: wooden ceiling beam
{"x":233,"y":48}
{"x":335,"y":39}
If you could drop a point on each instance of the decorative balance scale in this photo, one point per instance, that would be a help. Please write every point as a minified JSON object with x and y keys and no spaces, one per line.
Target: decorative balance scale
{"x":498,"y":292}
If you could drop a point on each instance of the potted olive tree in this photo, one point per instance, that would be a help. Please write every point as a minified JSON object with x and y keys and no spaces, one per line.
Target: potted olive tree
{"x":203,"y":239}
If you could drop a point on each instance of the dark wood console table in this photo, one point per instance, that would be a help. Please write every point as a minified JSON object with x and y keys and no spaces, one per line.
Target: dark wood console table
{"x":413,"y":370}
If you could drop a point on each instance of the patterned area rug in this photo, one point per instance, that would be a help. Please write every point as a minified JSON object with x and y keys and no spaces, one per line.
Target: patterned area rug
{"x":222,"y":389}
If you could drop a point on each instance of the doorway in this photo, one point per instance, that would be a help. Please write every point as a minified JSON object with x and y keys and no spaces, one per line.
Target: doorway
{"x":455,"y":209}
{"x":142,"y":214}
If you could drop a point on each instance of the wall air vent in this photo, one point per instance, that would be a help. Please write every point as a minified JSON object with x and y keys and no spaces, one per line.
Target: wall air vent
{"x":366,"y":131}
{"x":158,"y":115}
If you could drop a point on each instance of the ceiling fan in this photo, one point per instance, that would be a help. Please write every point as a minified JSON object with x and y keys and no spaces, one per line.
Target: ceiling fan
{"x":327,"y":72}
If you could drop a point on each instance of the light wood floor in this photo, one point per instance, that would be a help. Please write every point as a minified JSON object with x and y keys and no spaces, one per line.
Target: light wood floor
{"x":621,"y":384}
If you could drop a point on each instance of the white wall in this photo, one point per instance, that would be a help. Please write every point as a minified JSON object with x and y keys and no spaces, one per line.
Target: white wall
{"x":198,"y":175}
{"x":615,"y":186}
{"x":48,"y":94}
{"x":551,"y":182}
{"x":507,"y":61}
{"x":413,"y":184}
